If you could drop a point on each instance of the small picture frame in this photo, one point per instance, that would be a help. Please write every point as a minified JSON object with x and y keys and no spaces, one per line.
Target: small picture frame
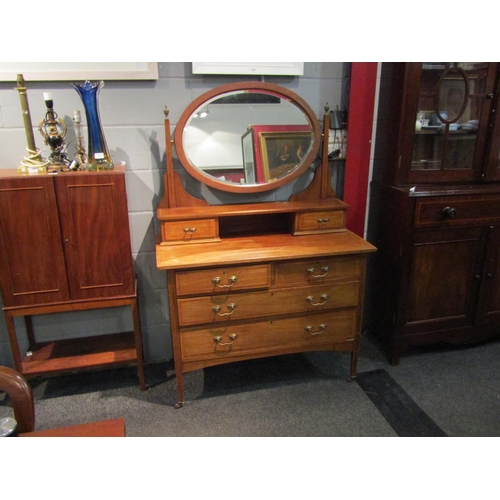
{"x":278,"y":149}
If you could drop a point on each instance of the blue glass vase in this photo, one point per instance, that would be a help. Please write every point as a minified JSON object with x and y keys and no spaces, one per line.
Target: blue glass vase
{"x":98,"y":157}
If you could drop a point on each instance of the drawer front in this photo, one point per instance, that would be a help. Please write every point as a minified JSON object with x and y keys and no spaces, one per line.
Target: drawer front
{"x":305,"y":332}
{"x":235,"y":306}
{"x":317,"y":271}
{"x":189,"y":231}
{"x":222,"y":279}
{"x":320,"y":221}
{"x":457,"y":210}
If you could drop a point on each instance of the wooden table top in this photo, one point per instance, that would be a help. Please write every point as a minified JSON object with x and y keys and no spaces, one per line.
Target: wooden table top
{"x":104,"y":428}
{"x":247,"y":250}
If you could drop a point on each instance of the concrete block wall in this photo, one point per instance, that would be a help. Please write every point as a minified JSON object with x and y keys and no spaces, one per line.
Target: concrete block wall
{"x":132,"y":116}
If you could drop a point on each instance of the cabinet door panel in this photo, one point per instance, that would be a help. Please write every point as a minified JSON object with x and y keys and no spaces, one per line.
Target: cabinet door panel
{"x":446,"y":121}
{"x":445,"y":278}
{"x":489,"y":312}
{"x":94,"y":220}
{"x":32,"y":269}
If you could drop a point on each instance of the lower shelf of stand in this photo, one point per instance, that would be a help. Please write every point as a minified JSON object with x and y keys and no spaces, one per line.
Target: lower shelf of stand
{"x":77,"y":354}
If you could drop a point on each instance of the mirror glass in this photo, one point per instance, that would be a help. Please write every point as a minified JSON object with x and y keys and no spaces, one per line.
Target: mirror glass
{"x":247,"y":139}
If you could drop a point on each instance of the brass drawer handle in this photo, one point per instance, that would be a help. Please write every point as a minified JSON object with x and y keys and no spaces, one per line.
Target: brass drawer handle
{"x":232,"y":338}
{"x":231,"y":307}
{"x":323,"y":297}
{"x":231,"y":280}
{"x":324,"y":270}
{"x":190,"y":230}
{"x":323,"y":221}
{"x":319,"y":332}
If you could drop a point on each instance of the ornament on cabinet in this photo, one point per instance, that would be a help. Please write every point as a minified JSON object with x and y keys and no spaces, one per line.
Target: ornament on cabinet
{"x":33,"y":162}
{"x":98,"y":157}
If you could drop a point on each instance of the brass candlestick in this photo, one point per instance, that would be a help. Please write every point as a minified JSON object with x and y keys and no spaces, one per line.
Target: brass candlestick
{"x":80,"y":154}
{"x":33,"y":162}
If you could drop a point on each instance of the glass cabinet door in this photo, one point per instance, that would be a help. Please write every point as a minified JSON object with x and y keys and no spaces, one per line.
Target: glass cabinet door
{"x":448,"y":116}
{"x":492,"y":172}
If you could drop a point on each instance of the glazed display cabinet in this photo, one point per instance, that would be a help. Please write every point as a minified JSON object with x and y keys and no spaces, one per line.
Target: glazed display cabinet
{"x":65,"y":246}
{"x":435,"y":206}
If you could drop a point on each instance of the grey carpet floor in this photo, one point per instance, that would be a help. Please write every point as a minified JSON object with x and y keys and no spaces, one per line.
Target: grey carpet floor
{"x":439,"y":391}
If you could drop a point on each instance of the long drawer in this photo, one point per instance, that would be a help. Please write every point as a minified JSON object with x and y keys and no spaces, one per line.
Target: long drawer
{"x":306,"y":332}
{"x":442,"y":211}
{"x":235,"y":306}
{"x":222,"y":279}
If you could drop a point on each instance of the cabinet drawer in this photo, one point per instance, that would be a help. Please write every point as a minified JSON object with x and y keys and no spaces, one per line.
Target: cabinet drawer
{"x":307,"y":332}
{"x":222,"y":279}
{"x":189,"y":231}
{"x":318,"y":270}
{"x":234,"y":306}
{"x":313,"y":222}
{"x":457,"y":210}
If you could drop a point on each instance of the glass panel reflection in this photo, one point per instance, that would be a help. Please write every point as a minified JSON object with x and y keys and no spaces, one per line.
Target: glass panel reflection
{"x":239,"y":137}
{"x":448,"y":115}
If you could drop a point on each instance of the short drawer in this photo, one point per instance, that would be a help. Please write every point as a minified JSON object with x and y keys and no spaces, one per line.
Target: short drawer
{"x":306,"y":333}
{"x":457,"y":210}
{"x":316,"y":222}
{"x":222,"y":279}
{"x":245,"y":305}
{"x":189,"y":231}
{"x":318,"y":270}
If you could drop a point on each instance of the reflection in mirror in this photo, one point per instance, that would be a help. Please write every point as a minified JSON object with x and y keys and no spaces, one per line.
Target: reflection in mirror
{"x":247,"y":137}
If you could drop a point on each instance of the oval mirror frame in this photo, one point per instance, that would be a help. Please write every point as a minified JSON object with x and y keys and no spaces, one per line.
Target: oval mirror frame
{"x":242,"y":86}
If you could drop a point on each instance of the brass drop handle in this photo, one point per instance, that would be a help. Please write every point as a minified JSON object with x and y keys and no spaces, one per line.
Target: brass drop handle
{"x":319,"y":332}
{"x":232,"y":338}
{"x":323,"y":221}
{"x":323,"y":297}
{"x":231,"y":280}
{"x":324,"y":270}
{"x":231,"y":307}
{"x":190,"y":230}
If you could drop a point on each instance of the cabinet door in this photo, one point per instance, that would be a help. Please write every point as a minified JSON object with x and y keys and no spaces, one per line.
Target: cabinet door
{"x":32,"y":267}
{"x":444,"y":280}
{"x":446,"y":121}
{"x":95,"y":228}
{"x":489,"y":304}
{"x":493,"y":162}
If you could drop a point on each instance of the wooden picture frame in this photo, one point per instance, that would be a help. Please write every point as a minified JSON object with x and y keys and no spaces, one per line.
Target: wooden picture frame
{"x":67,"y":71}
{"x":277,"y":149}
{"x":248,"y":68}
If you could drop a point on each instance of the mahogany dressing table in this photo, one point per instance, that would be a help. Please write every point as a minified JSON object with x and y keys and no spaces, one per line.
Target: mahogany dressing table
{"x":250,"y":280}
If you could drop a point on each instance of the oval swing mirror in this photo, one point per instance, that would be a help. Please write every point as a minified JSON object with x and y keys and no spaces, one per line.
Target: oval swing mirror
{"x":247,"y":137}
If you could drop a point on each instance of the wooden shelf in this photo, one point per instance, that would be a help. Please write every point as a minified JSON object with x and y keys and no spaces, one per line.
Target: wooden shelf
{"x":185,"y":213}
{"x":76,"y":354}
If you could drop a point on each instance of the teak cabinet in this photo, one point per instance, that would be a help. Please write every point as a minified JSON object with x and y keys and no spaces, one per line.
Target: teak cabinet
{"x":435,"y":206}
{"x":65,"y":246}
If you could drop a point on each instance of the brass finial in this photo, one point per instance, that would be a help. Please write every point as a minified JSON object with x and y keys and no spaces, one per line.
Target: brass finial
{"x":327,"y":108}
{"x":166,"y":111}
